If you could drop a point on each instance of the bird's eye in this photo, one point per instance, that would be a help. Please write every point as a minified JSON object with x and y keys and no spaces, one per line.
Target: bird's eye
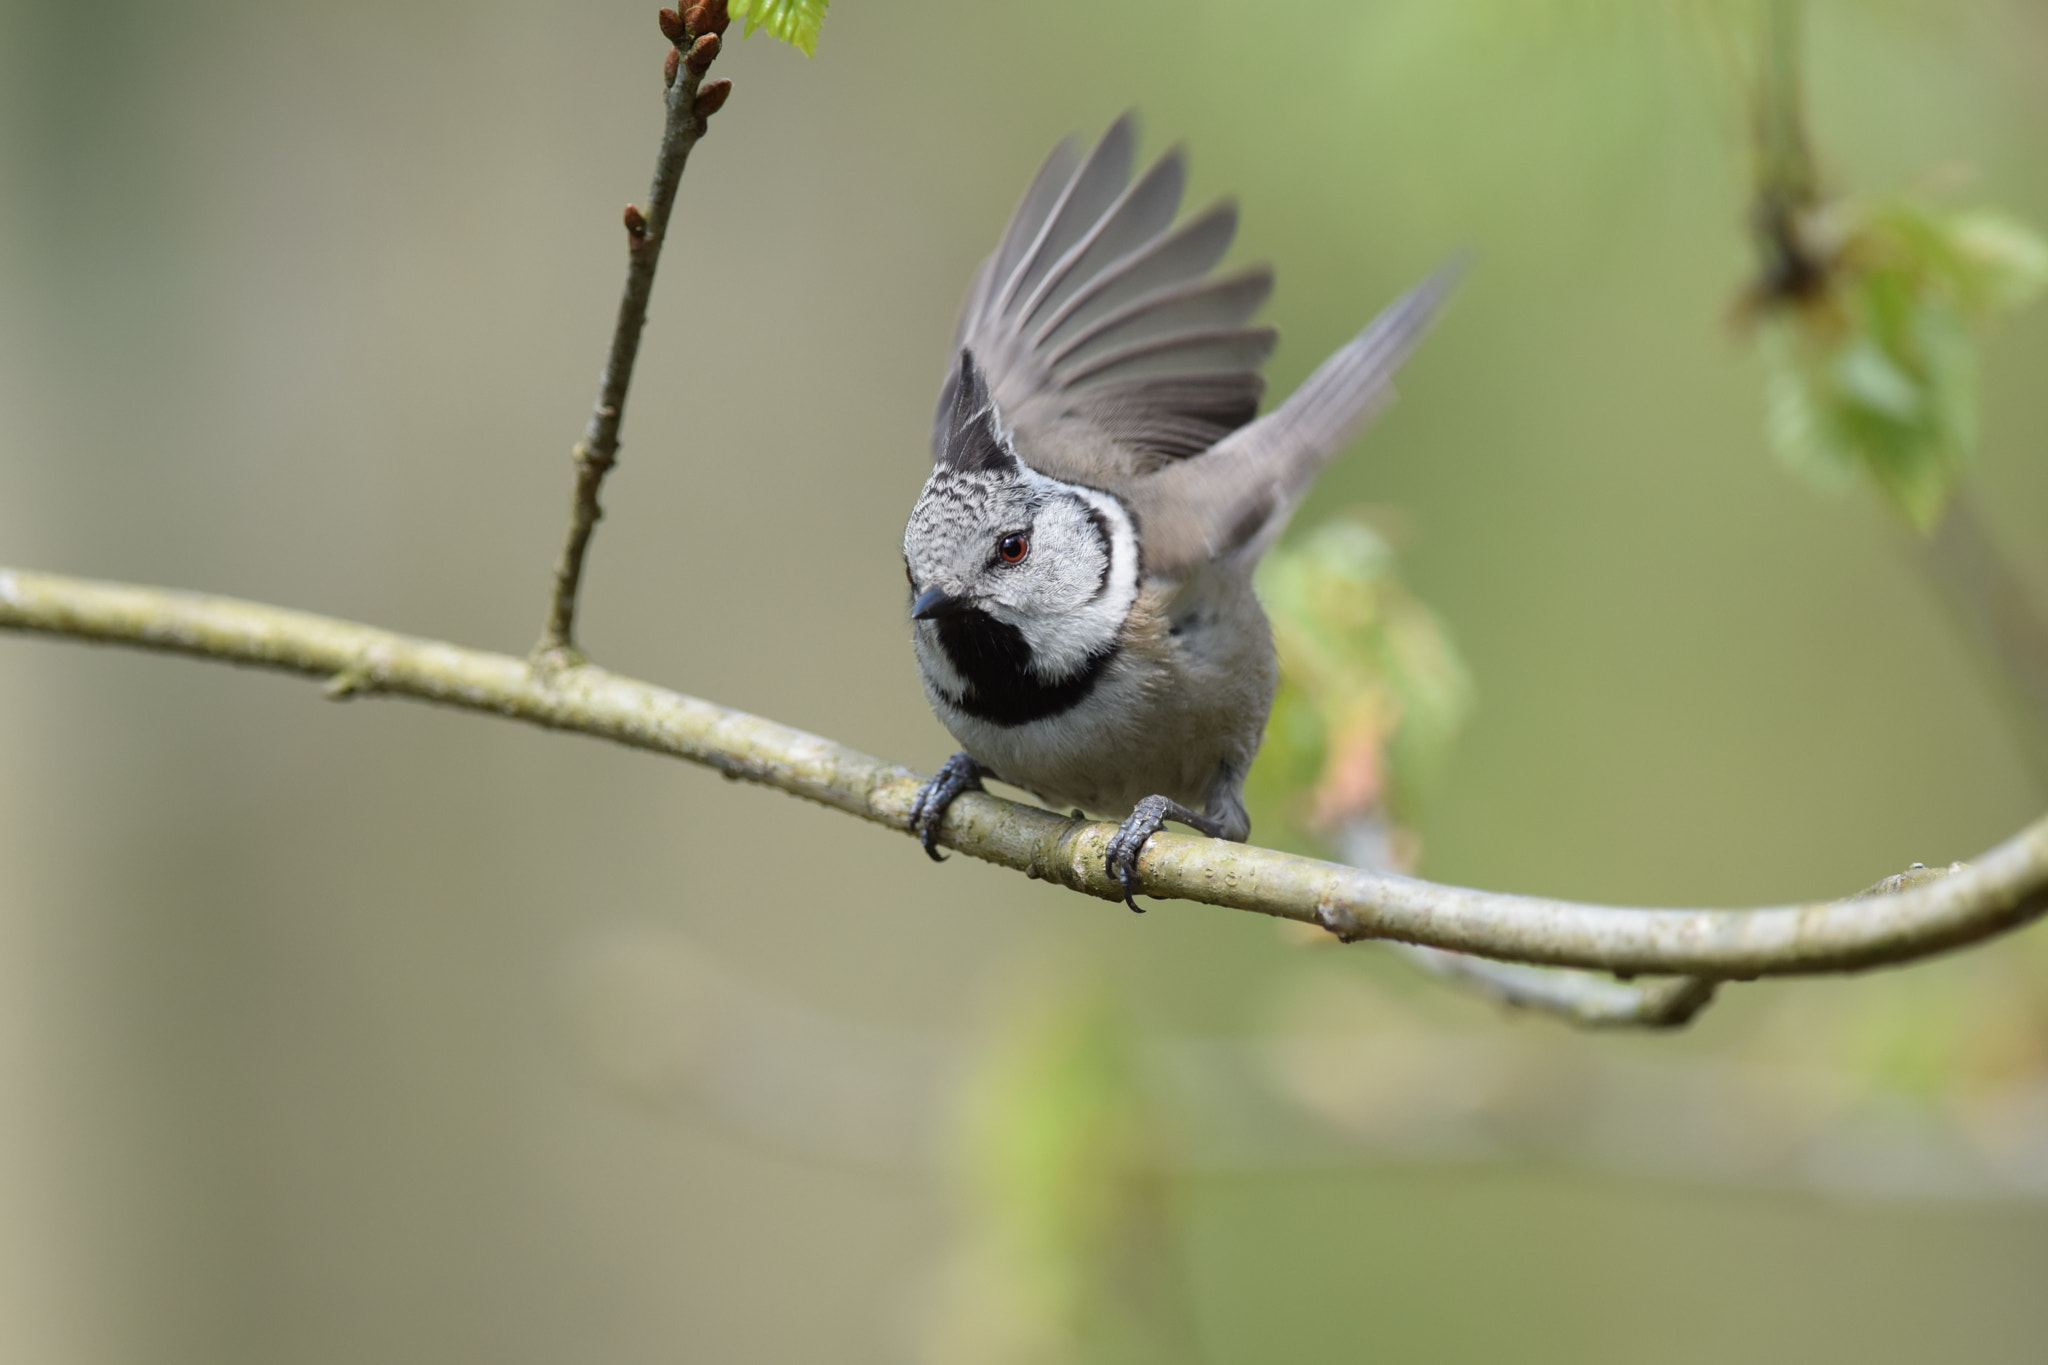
{"x":1012,"y":549}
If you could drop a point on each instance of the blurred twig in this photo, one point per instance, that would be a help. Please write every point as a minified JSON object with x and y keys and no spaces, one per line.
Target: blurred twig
{"x":1786,"y":183}
{"x":696,"y":37}
{"x":1994,"y":606}
{"x":1597,"y":1001}
{"x":1588,"y":999}
{"x":1581,"y":997}
{"x":2008,"y":886}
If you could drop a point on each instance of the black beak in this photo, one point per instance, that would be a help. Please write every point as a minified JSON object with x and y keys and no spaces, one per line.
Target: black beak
{"x":932,"y":603}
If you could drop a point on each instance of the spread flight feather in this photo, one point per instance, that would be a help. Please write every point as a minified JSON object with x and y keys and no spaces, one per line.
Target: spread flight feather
{"x":1115,"y":362}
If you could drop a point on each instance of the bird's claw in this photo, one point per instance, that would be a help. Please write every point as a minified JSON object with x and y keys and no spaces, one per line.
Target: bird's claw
{"x":960,"y":773}
{"x":1146,"y":819}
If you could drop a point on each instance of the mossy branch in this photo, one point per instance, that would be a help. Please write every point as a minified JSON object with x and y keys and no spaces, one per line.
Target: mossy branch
{"x":1924,"y":913}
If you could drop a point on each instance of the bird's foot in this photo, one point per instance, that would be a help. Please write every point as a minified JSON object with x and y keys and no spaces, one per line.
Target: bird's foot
{"x":960,"y":774}
{"x":1145,"y":820}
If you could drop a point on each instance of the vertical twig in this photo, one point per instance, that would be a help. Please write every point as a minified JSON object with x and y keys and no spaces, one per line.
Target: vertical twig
{"x":1786,"y":185}
{"x":691,"y":102}
{"x":2003,"y":619}
{"x":1784,"y":157}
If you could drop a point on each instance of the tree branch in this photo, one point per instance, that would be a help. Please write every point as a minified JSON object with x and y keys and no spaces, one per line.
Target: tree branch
{"x":696,"y":39}
{"x":2007,"y":887}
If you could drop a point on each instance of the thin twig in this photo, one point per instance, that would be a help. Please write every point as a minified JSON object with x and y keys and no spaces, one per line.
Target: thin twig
{"x":690,"y":103}
{"x":1596,"y":1001}
{"x":2001,"y":616}
{"x":2006,"y":887}
{"x":1585,"y":998}
{"x":1786,"y":183}
{"x":1588,"y":999}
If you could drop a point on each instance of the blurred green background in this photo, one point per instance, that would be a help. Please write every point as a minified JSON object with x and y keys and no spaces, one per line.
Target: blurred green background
{"x":365,"y":1032}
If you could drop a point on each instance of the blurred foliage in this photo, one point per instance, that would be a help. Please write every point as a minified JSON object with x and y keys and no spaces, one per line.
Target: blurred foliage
{"x":1067,"y":1178}
{"x":1372,"y":692}
{"x":1873,"y":306}
{"x":1873,"y":359}
{"x":796,"y":22}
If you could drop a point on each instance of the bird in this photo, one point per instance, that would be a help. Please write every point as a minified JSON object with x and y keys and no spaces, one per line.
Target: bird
{"x":1080,"y":558}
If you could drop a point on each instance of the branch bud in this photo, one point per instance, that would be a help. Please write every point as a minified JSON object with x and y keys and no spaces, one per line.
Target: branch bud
{"x":711,"y":97}
{"x":636,"y":223}
{"x":671,"y":26}
{"x":702,"y":53}
{"x":707,"y":16}
{"x":670,"y":65}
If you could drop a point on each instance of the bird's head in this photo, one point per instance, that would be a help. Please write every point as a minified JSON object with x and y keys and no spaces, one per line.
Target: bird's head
{"x":992,"y":545}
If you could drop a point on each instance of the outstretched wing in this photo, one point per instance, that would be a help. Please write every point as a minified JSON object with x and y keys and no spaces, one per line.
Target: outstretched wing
{"x":1095,"y":310}
{"x":1235,"y":498}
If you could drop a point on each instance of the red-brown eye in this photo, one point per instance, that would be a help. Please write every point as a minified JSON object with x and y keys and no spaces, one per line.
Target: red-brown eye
{"x":1011,"y":549}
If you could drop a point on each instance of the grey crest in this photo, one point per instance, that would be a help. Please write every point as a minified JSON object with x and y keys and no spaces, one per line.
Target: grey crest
{"x":971,"y":435}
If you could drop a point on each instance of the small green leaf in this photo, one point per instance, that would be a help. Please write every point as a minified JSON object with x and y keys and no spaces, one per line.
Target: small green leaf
{"x":795,"y":22}
{"x":1879,"y":372}
{"x":1793,"y":419}
{"x":1867,"y":376}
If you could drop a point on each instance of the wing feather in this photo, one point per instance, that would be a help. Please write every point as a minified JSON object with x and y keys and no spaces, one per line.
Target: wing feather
{"x":1236,"y":497}
{"x":1211,"y":348}
{"x":1189,"y":252}
{"x":1039,"y":201}
{"x":1094,"y":188}
{"x":1194,"y":305}
{"x":1105,"y":346}
{"x":1140,"y":214}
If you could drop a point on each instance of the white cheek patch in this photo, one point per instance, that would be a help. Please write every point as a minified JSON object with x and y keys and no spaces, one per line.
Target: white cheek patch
{"x":936,"y":664}
{"x":1082,"y":610}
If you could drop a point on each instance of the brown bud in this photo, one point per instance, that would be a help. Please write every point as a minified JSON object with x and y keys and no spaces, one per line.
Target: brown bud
{"x":702,"y":53}
{"x":711,"y":97}
{"x":669,"y":66}
{"x":671,"y":26}
{"x":636,"y":223}
{"x":707,"y":16}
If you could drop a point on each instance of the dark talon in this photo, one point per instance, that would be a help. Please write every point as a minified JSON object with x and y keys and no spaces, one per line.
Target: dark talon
{"x":1145,"y":820}
{"x":960,"y":774}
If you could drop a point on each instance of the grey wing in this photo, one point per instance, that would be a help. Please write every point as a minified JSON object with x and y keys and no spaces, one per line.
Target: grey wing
{"x":1235,"y":498}
{"x":1096,"y":311}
